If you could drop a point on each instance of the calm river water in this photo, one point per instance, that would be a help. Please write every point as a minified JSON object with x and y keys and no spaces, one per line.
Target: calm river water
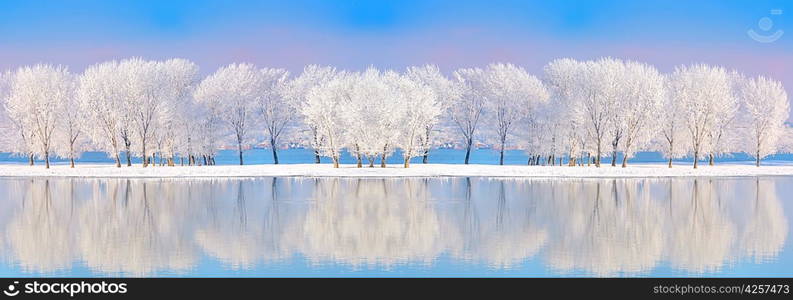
{"x":396,"y":227}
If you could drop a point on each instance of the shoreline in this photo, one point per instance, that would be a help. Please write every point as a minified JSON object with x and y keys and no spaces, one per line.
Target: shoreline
{"x":644,"y":170}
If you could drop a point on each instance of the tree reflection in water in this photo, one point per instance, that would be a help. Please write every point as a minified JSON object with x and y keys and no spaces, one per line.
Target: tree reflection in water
{"x":601,"y":227}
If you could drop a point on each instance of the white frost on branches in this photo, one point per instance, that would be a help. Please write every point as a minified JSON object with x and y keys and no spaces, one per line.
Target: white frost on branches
{"x":163,"y":112}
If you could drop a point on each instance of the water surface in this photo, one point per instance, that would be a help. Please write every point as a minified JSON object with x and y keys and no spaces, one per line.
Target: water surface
{"x":396,"y":227}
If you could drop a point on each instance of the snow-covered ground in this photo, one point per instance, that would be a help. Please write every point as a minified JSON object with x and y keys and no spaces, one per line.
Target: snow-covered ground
{"x":416,"y":170}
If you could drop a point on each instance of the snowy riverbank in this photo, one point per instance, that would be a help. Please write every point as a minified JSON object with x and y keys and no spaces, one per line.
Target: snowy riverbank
{"x":416,"y":170}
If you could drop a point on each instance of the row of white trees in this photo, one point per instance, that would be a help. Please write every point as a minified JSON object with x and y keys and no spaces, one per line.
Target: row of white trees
{"x":581,"y":111}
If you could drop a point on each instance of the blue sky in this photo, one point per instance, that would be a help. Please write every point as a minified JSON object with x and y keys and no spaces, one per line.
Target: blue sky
{"x":394,"y":34}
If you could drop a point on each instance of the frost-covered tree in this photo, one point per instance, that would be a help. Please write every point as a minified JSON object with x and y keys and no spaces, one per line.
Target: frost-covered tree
{"x":419,"y":111}
{"x":234,"y":90}
{"x":368,"y":107}
{"x":466,"y":113}
{"x":179,"y":78}
{"x":276,"y":111}
{"x":600,"y":89}
{"x":356,"y":113}
{"x":671,"y":125}
{"x":640,"y":106}
{"x":37,"y":97}
{"x":192,"y":131}
{"x":766,"y":106}
{"x":18,"y":135}
{"x":324,"y":110}
{"x":102,"y":105}
{"x":703,"y":91}
{"x":388,"y":109}
{"x":144,"y":89}
{"x":446,"y":91}
{"x":372,"y":110}
{"x":564,"y":113}
{"x":552,"y":140}
{"x":70,"y":139}
{"x":511,"y":93}
{"x":209,"y":124}
{"x":297,"y":91}
{"x":126,"y":127}
{"x":723,"y":138}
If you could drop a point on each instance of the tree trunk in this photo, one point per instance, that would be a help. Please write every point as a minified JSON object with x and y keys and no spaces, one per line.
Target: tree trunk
{"x":468,"y":151}
{"x":275,"y":152}
{"x":30,"y":159}
{"x":145,"y":158}
{"x":710,"y":160}
{"x":588,"y":159}
{"x":670,"y":162}
{"x":118,"y":161}
{"x":501,"y":152}
{"x":239,"y":148}
{"x":336,"y":162}
{"x":47,"y":159}
{"x":407,"y":162}
{"x":382,"y":161}
{"x":71,"y":154}
{"x":625,"y":161}
{"x":599,"y":154}
{"x":427,"y":147}
{"x":129,"y":158}
{"x":696,"y":159}
{"x":757,"y":161}
{"x":614,"y":158}
{"x":181,"y":161}
{"x":360,"y":161}
{"x":316,"y":157}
